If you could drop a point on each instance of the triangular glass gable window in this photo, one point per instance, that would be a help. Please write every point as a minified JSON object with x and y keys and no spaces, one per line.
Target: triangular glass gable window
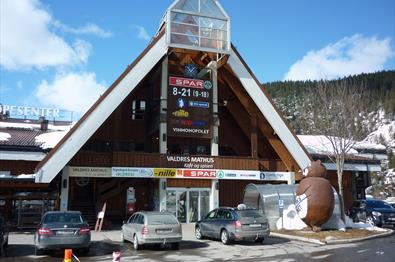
{"x":200,"y":24}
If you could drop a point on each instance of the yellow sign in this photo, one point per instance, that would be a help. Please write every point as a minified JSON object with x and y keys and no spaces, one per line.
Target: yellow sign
{"x":165,"y":172}
{"x":180,"y":113}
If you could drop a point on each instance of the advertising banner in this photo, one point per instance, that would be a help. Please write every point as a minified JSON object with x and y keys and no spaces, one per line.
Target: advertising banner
{"x":132,"y":172}
{"x":75,"y":171}
{"x":189,"y":107}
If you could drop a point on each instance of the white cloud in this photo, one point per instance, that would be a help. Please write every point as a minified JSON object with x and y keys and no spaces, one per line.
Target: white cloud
{"x":88,"y":29}
{"x":141,"y":32}
{"x":348,"y":56}
{"x":71,"y":91}
{"x":26,"y":41}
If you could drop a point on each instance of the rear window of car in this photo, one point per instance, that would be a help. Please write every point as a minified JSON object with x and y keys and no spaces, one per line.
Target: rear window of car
{"x":63,"y":218}
{"x":162,"y":219}
{"x":249,"y":213}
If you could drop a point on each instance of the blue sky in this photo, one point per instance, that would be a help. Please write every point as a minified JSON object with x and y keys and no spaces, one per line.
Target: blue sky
{"x":66,"y":53}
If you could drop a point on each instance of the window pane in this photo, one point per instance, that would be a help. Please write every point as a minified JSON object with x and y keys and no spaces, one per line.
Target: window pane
{"x":162,"y":219}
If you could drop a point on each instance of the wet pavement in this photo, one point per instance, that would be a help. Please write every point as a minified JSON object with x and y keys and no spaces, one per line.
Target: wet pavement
{"x":272,"y":249}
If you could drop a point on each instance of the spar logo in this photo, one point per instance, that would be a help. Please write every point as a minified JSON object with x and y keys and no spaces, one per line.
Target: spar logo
{"x":200,"y":173}
{"x":186,"y":82}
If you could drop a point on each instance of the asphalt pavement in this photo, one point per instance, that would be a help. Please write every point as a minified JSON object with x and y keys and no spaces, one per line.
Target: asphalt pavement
{"x":272,"y":249}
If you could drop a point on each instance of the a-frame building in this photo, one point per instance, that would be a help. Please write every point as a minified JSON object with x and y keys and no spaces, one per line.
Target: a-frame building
{"x":183,"y":129}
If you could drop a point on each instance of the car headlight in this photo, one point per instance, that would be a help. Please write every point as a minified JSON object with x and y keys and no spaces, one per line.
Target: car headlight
{"x":375,"y":213}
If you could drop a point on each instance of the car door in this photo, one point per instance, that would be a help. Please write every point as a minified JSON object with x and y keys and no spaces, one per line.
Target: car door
{"x":206,"y":224}
{"x":127,"y":228}
{"x":218,"y":223}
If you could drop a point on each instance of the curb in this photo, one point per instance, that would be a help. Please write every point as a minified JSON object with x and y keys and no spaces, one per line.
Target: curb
{"x":351,"y":240}
{"x":331,"y":242}
{"x":292,"y":237}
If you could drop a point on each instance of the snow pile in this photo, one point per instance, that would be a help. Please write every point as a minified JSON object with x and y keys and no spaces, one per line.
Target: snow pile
{"x":4,"y":136}
{"x":290,"y":220}
{"x":50,"y":140}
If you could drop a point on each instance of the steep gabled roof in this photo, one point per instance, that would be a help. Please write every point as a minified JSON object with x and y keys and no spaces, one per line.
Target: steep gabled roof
{"x":126,"y":83}
{"x":53,"y":163}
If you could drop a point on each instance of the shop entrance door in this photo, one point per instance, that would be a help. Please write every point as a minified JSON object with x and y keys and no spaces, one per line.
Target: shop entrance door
{"x":188,"y":204}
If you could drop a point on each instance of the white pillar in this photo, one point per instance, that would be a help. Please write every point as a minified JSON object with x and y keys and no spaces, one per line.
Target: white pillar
{"x":215,"y":138}
{"x":163,"y":109}
{"x":64,"y":191}
{"x":214,"y":196}
{"x":291,"y":178}
{"x":162,"y":194}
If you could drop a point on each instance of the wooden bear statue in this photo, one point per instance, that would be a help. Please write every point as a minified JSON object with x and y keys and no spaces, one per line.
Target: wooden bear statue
{"x":314,"y":197}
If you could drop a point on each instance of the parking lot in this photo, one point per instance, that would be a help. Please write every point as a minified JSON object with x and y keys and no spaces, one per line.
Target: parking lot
{"x":273,"y":249}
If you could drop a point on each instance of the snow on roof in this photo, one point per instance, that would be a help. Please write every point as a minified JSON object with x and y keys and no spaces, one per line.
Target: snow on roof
{"x":369,"y":145}
{"x":32,"y":126}
{"x":50,"y":139}
{"x":319,"y":145}
{"x":4,"y":136}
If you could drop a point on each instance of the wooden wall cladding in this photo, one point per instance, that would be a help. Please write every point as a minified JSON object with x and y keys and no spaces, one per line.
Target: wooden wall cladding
{"x":231,"y":191}
{"x":127,"y":159}
{"x":18,"y":167}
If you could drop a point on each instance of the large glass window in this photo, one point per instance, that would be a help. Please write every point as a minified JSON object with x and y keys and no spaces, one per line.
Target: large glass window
{"x":200,"y":24}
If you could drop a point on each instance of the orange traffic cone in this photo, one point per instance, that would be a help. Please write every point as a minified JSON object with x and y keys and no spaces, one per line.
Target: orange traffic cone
{"x":68,"y":253}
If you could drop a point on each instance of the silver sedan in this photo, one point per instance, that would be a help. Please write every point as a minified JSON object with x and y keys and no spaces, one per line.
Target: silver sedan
{"x":152,"y":228}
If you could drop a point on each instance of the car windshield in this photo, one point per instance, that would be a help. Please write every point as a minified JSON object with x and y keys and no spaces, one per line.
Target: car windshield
{"x":378,"y":204}
{"x":63,"y":218}
{"x":249,"y":213}
{"x":162,"y":219}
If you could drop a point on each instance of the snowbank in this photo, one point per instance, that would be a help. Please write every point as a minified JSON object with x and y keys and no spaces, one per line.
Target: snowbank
{"x":290,"y":220}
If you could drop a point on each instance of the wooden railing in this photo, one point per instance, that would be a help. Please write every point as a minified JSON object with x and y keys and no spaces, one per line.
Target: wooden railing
{"x":159,"y":160}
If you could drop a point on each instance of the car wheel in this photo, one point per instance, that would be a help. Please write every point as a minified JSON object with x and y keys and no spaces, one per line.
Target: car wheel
{"x":175,"y":246}
{"x":225,"y":237}
{"x":122,"y":238}
{"x":136,"y":244}
{"x":85,"y":250}
{"x":38,"y":252}
{"x":369,"y":220}
{"x":259,"y":240}
{"x":198,"y":233}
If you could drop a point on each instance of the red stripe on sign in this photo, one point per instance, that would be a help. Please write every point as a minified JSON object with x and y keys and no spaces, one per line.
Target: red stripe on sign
{"x":200,"y":173}
{"x":186,"y":82}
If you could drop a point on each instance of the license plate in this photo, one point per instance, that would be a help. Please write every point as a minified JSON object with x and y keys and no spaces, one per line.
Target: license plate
{"x":255,"y":225}
{"x":64,"y":232}
{"x":163,"y":231}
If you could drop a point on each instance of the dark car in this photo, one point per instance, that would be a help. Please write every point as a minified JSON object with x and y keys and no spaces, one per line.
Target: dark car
{"x":229,"y":224}
{"x":375,"y":212}
{"x":3,"y":235}
{"x":62,"y":229}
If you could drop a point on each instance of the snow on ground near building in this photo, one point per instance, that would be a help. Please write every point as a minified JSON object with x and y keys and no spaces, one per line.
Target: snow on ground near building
{"x":32,"y":126}
{"x":50,"y":140}
{"x":4,"y":136}
{"x":319,"y":145}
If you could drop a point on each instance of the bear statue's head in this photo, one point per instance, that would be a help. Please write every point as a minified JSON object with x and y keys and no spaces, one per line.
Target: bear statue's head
{"x":315,"y":169}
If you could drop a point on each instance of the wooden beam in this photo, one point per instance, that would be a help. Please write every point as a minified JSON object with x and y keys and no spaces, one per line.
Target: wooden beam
{"x":251,"y":108}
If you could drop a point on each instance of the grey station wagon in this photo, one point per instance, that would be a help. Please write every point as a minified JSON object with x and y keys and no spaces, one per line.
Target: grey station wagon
{"x":152,"y":228}
{"x":62,"y":229}
{"x":229,"y":224}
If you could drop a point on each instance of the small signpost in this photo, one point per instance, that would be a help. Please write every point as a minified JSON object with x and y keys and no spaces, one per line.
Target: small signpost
{"x":100,"y":218}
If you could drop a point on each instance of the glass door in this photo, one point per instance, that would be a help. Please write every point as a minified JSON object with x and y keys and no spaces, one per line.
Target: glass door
{"x":182,"y":206}
{"x":188,"y":205}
